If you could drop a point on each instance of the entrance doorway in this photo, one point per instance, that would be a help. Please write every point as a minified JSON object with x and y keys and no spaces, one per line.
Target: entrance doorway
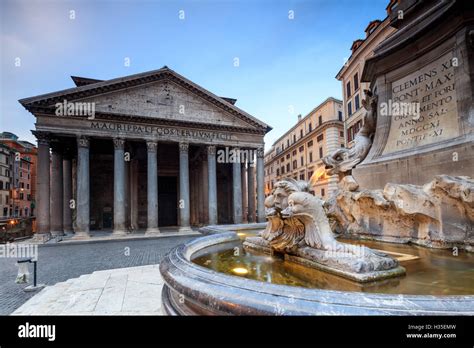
{"x":167,"y":201}
{"x":107,"y":219}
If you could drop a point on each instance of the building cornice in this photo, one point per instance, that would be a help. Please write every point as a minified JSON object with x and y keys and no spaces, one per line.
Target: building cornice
{"x":363,"y":47}
{"x":108,"y":117}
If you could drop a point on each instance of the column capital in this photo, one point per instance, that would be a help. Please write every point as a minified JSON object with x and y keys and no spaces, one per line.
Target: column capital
{"x":119,"y":143}
{"x":43,"y":137}
{"x":183,"y":147}
{"x":152,"y":146}
{"x":83,"y":141}
{"x":260,"y":152}
{"x":211,"y":150}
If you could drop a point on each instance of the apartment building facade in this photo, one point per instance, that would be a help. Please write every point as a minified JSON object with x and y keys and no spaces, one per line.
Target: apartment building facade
{"x":350,"y":74}
{"x":5,"y":179}
{"x":297,"y":153}
{"x":22,"y":176}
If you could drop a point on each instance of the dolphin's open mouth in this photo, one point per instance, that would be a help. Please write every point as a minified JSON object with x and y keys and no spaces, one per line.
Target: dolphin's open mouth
{"x":286,"y":213}
{"x":270,"y":212}
{"x":327,"y":165}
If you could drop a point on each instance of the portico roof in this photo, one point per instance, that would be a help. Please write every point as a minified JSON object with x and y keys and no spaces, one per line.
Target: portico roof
{"x":90,"y":87}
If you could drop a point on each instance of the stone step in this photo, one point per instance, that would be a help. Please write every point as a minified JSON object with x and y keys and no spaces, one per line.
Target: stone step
{"x":126,"y":291}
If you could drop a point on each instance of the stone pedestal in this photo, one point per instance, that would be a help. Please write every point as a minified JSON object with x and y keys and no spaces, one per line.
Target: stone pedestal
{"x":430,"y":62}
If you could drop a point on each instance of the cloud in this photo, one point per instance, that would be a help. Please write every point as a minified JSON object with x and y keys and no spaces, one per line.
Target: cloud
{"x":32,"y":30}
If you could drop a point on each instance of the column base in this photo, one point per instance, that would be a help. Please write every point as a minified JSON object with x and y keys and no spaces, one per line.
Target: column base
{"x":119,"y":232}
{"x":68,"y":232}
{"x":81,"y":235}
{"x":185,"y":229}
{"x":57,"y":233}
{"x":153,"y":230}
{"x":41,"y":237}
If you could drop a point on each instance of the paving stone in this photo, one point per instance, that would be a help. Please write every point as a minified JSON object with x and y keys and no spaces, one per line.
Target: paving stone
{"x":142,"y":296}
{"x":118,"y":295}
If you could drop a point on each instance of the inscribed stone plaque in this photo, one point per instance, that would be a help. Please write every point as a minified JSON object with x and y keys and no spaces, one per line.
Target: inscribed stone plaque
{"x":433,"y":88}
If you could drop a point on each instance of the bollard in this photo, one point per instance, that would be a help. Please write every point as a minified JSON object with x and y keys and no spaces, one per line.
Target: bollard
{"x":35,"y":286}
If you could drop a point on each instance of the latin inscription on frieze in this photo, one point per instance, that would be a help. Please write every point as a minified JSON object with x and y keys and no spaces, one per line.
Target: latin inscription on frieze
{"x":159,"y":131}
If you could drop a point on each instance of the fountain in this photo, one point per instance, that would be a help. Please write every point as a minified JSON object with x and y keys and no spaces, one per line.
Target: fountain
{"x":294,"y":264}
{"x":405,"y":181}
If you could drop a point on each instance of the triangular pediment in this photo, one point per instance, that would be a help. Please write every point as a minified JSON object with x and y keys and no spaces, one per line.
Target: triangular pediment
{"x":164,"y":100}
{"x":160,"y":94}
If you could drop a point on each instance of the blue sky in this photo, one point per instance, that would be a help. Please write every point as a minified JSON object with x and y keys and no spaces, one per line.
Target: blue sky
{"x":283,"y":62}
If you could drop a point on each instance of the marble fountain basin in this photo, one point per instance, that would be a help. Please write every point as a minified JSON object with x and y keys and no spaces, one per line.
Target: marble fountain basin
{"x":214,"y":275}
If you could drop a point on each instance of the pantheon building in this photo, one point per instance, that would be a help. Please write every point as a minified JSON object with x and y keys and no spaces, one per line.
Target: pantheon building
{"x":141,"y":152}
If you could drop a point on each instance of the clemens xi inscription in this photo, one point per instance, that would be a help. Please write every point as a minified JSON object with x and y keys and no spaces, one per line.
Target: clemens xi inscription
{"x":433,"y":88}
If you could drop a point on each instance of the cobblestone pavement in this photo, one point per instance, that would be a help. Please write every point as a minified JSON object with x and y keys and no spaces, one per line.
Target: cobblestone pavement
{"x":61,"y":262}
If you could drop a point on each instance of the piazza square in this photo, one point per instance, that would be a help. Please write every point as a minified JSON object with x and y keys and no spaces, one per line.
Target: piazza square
{"x":257,"y":166}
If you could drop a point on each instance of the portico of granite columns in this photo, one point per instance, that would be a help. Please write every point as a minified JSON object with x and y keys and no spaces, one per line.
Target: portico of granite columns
{"x":83,"y":189}
{"x":212,"y":184}
{"x":237,"y":187}
{"x":43,"y":187}
{"x":67,"y":193}
{"x":183,"y":204}
{"x":251,"y":190}
{"x":56,"y":204}
{"x":260,"y":186}
{"x":152,"y":187}
{"x":119,"y":187}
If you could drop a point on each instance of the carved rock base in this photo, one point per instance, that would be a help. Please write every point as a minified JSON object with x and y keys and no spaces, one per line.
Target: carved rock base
{"x":439,"y":214}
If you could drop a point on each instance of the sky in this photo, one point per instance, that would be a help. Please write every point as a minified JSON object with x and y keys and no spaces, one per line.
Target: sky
{"x":288,"y":52}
